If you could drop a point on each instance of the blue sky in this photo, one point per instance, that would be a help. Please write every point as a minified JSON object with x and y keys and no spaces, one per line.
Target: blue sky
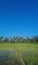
{"x":18,"y":18}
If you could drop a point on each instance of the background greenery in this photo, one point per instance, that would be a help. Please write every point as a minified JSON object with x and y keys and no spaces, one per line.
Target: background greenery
{"x":18,"y":39}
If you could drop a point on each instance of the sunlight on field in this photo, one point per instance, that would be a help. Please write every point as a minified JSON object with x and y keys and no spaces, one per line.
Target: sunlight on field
{"x":22,"y":47}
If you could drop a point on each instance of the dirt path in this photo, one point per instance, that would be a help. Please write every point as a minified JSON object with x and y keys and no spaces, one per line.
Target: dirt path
{"x":19,"y":57}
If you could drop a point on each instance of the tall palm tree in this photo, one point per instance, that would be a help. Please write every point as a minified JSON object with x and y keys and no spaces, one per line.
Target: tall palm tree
{"x":1,"y":38}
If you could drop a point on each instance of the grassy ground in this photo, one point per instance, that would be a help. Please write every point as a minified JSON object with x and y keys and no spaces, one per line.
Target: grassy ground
{"x":28,"y":51}
{"x":33,"y":48}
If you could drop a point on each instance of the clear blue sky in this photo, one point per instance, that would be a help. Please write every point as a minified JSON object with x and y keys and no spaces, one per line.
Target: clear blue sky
{"x":18,"y":17}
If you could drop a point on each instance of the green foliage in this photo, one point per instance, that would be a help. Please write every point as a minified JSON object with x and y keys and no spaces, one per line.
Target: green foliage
{"x":6,"y":40}
{"x":18,"y":39}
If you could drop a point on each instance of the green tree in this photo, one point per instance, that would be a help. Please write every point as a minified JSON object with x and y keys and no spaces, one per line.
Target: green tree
{"x":6,"y":40}
{"x":36,"y":38}
{"x":1,"y":39}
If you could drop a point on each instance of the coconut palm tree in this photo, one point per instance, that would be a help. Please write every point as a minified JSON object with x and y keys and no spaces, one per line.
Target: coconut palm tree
{"x":1,"y":38}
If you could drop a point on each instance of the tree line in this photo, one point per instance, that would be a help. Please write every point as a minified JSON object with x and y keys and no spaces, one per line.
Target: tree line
{"x":18,"y":39}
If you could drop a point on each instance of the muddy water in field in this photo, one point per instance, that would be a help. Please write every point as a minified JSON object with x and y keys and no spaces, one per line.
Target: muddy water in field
{"x":8,"y":58}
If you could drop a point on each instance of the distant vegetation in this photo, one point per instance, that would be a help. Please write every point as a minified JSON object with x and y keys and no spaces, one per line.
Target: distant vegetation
{"x":18,"y":39}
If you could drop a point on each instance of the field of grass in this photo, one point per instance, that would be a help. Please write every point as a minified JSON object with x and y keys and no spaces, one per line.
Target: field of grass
{"x":28,"y":52}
